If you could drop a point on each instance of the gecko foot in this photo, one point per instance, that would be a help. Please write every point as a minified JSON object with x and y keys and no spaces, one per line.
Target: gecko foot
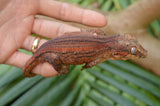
{"x":64,"y":70}
{"x":85,"y":66}
{"x":96,"y":32}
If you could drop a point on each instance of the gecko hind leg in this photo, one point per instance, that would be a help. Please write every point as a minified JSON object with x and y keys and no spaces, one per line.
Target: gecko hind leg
{"x":54,"y":60}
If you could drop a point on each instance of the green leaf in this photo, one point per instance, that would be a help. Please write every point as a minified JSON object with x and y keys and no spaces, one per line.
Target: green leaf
{"x":132,"y":78}
{"x":143,"y":96}
{"x":57,"y":89}
{"x":124,"y":3}
{"x":10,"y":76}
{"x":72,"y":95}
{"x":137,"y":70}
{"x":107,"y":5}
{"x":30,"y":96}
{"x":113,"y":95}
{"x":15,"y":90}
{"x":4,"y":69}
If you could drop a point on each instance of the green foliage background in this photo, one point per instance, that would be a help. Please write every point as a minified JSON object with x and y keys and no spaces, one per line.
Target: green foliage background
{"x":112,"y":83}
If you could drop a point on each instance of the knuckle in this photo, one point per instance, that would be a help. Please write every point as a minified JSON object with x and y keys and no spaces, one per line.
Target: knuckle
{"x":82,"y":14}
{"x":65,"y":10}
{"x":39,"y":24}
{"x":60,"y":29}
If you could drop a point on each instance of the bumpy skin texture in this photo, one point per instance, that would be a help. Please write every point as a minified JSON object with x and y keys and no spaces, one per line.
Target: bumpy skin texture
{"x":76,"y":48}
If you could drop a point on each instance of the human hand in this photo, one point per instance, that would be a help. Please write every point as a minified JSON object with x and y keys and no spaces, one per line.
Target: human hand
{"x":17,"y":22}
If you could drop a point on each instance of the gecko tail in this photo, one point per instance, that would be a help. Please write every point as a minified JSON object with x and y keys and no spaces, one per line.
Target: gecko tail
{"x":27,"y":69}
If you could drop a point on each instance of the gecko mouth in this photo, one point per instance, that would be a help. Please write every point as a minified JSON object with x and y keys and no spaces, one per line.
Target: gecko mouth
{"x":143,"y":55}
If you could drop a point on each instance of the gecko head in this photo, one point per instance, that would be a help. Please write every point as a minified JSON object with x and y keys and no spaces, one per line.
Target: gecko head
{"x":129,"y":48}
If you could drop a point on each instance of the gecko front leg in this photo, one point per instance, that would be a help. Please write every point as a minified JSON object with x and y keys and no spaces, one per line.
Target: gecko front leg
{"x":55,"y":61}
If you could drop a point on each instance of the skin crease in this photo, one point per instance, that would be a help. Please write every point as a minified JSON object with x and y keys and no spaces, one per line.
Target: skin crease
{"x":18,"y":22}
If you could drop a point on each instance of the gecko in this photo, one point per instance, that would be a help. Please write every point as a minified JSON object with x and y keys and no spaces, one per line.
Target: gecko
{"x":87,"y":46}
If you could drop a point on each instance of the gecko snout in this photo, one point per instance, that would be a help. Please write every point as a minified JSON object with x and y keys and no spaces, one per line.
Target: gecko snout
{"x":144,"y":54}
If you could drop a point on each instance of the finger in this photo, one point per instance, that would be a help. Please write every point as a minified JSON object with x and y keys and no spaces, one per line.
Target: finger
{"x":19,"y":59}
{"x":28,"y":42}
{"x":67,"y":12}
{"x":45,"y":70}
{"x":47,"y":29}
{"x":51,"y":29}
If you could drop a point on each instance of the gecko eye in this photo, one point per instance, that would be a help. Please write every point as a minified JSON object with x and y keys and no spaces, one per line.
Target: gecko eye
{"x":133,"y":50}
